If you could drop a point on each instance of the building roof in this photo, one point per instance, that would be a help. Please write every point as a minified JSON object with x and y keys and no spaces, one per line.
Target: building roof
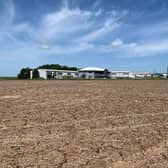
{"x":92,"y":69}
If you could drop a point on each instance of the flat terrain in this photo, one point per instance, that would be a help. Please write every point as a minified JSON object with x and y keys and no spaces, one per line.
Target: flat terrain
{"x":84,"y":124}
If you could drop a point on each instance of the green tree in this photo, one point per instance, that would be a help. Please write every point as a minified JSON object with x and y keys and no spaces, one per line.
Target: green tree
{"x":24,"y":73}
{"x":57,"y":66}
{"x":35,"y":74}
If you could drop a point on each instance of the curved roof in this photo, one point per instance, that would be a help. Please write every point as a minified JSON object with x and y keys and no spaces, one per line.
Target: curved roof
{"x":92,"y":69}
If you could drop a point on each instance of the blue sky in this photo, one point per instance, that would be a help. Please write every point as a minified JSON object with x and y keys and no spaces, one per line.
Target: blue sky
{"x":117,"y":34}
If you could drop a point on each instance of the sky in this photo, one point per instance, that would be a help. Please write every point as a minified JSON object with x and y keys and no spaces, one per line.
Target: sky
{"x":114,"y":34}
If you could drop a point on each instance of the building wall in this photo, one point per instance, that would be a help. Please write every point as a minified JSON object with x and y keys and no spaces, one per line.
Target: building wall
{"x":92,"y":75}
{"x":49,"y":74}
{"x":60,"y":74}
{"x":87,"y":75}
{"x":75,"y":75}
{"x":42,"y":73}
{"x":142,"y":75}
{"x":31,"y":74}
{"x":122,"y":75}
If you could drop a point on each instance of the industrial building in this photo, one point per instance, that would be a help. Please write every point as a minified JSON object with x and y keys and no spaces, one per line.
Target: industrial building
{"x":93,"y":73}
{"x":55,"y":74}
{"x":89,"y":73}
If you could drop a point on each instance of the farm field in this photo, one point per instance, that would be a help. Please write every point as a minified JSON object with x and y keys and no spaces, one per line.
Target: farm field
{"x":84,"y":124}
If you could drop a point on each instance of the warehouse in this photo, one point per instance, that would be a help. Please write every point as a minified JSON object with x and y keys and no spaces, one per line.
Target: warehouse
{"x":55,"y":74}
{"x":93,"y":73}
{"x":88,"y":73}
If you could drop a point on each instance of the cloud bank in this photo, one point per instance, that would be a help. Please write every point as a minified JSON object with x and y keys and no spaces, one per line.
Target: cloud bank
{"x":74,"y":30}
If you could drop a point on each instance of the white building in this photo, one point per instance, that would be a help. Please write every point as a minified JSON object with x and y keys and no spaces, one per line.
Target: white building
{"x":165,"y":75}
{"x":142,"y":75}
{"x":89,"y":73}
{"x":55,"y":74}
{"x":93,"y":73}
{"x":121,"y":74}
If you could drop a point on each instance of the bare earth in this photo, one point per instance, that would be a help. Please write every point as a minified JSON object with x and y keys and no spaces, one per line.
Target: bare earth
{"x":84,"y":124}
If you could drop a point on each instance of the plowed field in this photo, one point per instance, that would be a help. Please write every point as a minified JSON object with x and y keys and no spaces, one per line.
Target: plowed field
{"x":84,"y":124}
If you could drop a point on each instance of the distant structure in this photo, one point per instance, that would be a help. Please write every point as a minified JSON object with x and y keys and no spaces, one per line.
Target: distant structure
{"x":86,"y":73}
{"x":95,"y":73}
{"x":142,"y":75}
{"x":55,"y":74}
{"x":121,"y":74}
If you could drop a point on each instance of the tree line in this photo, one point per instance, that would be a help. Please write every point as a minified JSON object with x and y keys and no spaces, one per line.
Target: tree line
{"x":25,"y":72}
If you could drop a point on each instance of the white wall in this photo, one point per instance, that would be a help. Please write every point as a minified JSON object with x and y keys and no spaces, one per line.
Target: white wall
{"x":42,"y":73}
{"x":31,"y":74}
{"x":121,"y":74}
{"x":142,"y":75}
{"x":59,"y":74}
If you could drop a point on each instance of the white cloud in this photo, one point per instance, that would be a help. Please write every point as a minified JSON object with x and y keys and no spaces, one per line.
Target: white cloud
{"x":99,"y":12}
{"x":117,"y":14}
{"x":108,"y":26}
{"x":152,"y":48}
{"x":63,"y":23}
{"x":156,"y":28}
{"x":117,"y":43}
{"x":10,"y":10}
{"x":7,"y":15}
{"x":96,"y":4}
{"x":72,"y":21}
{"x":69,"y":31}
{"x":120,"y":49}
{"x":43,"y":46}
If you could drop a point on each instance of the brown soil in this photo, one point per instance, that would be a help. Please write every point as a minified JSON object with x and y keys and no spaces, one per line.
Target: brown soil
{"x":84,"y":124}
